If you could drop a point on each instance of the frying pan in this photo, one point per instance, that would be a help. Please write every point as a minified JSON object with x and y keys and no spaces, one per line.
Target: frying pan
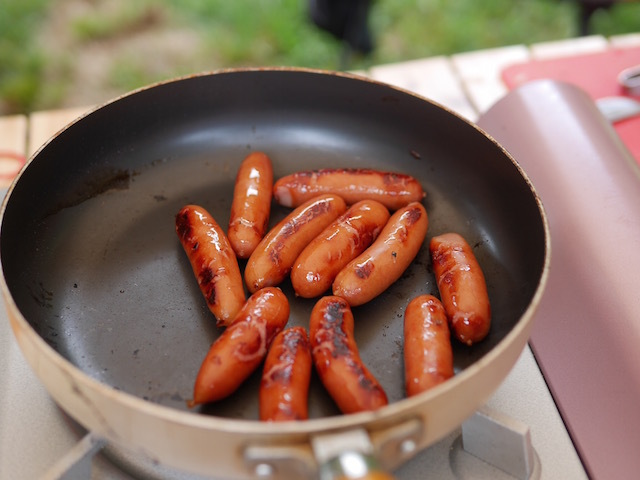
{"x":107,"y":312}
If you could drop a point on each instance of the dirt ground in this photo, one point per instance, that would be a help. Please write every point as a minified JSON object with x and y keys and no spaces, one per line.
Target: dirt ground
{"x":151,"y":47}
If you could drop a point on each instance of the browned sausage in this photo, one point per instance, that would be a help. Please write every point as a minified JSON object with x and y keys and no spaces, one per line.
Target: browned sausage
{"x":337,"y":360}
{"x":462,"y":286}
{"x":428,"y":357}
{"x":240,"y":349}
{"x":393,"y":190}
{"x":213,"y":262}
{"x":338,"y":244}
{"x":373,"y":271}
{"x":251,"y":204}
{"x":272,"y":260}
{"x":286,"y":375}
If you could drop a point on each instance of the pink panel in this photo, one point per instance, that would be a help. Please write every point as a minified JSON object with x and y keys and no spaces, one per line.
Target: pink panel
{"x":586,"y":335}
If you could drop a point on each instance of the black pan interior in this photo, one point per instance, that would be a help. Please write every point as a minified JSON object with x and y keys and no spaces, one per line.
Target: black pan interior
{"x":92,"y":260}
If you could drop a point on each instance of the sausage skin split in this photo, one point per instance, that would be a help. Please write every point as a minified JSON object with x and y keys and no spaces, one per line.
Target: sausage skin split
{"x":338,"y":244}
{"x":393,"y":190}
{"x":462,"y":286}
{"x":428,"y":357}
{"x":337,"y":360}
{"x":251,"y":204}
{"x":273,"y":258}
{"x":240,"y":349}
{"x":284,"y":388}
{"x":384,"y":262}
{"x":213,"y":262}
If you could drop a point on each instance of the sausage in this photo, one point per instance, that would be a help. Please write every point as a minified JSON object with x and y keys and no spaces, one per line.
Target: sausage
{"x":213,"y":262}
{"x":342,"y":241}
{"x":462,"y":286}
{"x":251,"y":204}
{"x":284,"y":387}
{"x":428,"y":357}
{"x":240,"y":349}
{"x":273,"y":258}
{"x":393,"y":190}
{"x":374,"y":270}
{"x":337,"y":360}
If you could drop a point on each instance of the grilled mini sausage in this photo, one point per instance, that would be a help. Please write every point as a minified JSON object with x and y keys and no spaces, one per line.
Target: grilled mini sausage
{"x":213,"y":262}
{"x":462,"y":287}
{"x":373,"y":271}
{"x":393,"y":190}
{"x":428,"y":357}
{"x":337,"y":360}
{"x":240,"y":349}
{"x":272,"y":260}
{"x":286,"y":375}
{"x":338,"y":244}
{"x":251,"y":204}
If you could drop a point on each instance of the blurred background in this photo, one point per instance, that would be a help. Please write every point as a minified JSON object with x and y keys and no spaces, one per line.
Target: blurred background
{"x":67,"y":53}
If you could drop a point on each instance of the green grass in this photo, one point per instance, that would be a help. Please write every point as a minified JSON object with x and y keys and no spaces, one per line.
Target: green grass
{"x":267,"y":32}
{"x":278,"y":31}
{"x":130,"y":17}
{"x":21,"y":62}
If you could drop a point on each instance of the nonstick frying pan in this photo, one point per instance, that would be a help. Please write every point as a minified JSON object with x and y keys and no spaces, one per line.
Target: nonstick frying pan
{"x":105,"y":307}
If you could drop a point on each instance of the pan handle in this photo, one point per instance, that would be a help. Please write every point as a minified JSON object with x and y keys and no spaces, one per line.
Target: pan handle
{"x":353,"y":465}
{"x":347,"y":456}
{"x":339,"y":455}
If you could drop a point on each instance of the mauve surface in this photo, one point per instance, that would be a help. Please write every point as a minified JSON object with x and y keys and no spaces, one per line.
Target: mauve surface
{"x":587,"y":329}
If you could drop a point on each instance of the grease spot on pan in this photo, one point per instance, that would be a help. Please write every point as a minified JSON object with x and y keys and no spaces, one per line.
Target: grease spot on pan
{"x":41,"y":295}
{"x":94,"y":185}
